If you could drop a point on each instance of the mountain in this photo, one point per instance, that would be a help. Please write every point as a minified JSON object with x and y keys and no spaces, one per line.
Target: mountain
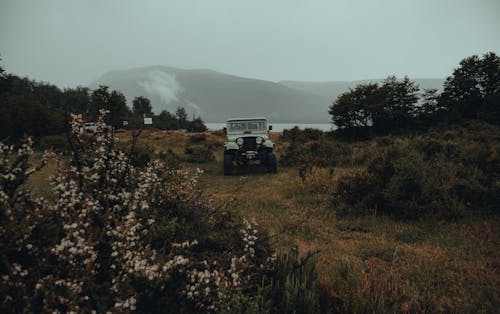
{"x":217,"y":96}
{"x":332,"y":90}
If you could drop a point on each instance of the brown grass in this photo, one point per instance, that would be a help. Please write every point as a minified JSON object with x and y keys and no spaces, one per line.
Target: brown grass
{"x":366,"y":264}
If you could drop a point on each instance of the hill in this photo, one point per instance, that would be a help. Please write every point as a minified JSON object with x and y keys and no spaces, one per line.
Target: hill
{"x":216,"y":96}
{"x":333,"y":89}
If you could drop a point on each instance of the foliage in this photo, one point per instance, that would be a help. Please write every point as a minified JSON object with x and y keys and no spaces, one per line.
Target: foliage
{"x":473,"y":90}
{"x":196,"y":125}
{"x":114,"y":237}
{"x":424,"y":175}
{"x":290,"y":287}
{"x":113,"y":101}
{"x":21,"y":115}
{"x":389,"y":107}
{"x":181,"y":116}
{"x":198,"y":153}
{"x":57,"y":143}
{"x":165,"y":121}
{"x":398,"y":106}
{"x":297,"y":135}
{"x":141,"y":106}
{"x":323,"y":153}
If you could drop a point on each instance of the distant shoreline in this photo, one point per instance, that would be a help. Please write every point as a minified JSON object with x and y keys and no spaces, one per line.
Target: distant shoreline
{"x":279,"y":127}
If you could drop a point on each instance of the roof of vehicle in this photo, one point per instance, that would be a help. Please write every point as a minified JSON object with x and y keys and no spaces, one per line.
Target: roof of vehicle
{"x":246,"y":119}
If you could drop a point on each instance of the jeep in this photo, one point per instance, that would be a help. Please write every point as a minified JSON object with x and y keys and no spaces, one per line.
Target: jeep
{"x":248,"y":142}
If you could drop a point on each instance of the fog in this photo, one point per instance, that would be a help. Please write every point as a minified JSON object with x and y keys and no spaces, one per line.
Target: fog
{"x":74,"y":42}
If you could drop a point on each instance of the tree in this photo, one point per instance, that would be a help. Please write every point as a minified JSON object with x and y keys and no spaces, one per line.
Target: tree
{"x":77,"y":100}
{"x":196,"y":125}
{"x":390,"y":107}
{"x":398,"y":109}
{"x":473,"y":88}
{"x":181,"y":115}
{"x":114,"y":102}
{"x":166,"y":121}
{"x":354,"y":109}
{"x":141,"y":106}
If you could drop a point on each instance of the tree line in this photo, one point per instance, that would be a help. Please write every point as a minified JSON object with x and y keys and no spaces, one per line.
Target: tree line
{"x":399,"y":105}
{"x":40,"y":108}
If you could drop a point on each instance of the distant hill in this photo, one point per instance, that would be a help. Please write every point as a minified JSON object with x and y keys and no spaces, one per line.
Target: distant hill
{"x":333,"y":89}
{"x":217,"y":96}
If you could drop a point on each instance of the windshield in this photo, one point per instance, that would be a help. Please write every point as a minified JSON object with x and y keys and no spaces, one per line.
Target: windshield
{"x":246,"y":125}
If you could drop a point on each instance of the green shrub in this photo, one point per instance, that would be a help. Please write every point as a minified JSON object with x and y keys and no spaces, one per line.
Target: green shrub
{"x":198,"y":154}
{"x":141,"y":155}
{"x":323,"y":153}
{"x":170,"y":159}
{"x":290,"y":286}
{"x":119,"y":238}
{"x":297,"y":135}
{"x":57,"y":143}
{"x":197,"y":138}
{"x":419,"y":176}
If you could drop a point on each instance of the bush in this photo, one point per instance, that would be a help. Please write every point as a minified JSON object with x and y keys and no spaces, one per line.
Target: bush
{"x":324,"y":153}
{"x":170,"y":159}
{"x":57,"y":143}
{"x":119,"y":238}
{"x":297,"y":135}
{"x":197,"y":138}
{"x":198,"y":154}
{"x":141,"y":155}
{"x":420,"y":176}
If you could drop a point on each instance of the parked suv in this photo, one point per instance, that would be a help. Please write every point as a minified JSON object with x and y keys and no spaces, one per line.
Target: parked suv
{"x":248,"y":141}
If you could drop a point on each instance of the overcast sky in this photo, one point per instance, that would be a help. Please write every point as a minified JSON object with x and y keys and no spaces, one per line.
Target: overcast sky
{"x":74,"y":42}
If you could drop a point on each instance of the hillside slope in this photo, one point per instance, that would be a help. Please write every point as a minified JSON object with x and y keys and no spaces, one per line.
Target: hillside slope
{"x":217,"y":96}
{"x":333,"y":89}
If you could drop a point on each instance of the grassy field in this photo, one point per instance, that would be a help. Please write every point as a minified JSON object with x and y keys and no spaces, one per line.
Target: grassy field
{"x":365,"y":264}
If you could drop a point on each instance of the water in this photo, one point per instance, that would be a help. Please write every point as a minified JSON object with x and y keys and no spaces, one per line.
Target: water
{"x":279,"y":127}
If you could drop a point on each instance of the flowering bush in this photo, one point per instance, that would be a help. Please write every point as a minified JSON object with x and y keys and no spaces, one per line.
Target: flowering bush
{"x":115,"y":237}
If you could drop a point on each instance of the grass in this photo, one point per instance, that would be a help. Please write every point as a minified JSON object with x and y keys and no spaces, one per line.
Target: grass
{"x":365,"y":264}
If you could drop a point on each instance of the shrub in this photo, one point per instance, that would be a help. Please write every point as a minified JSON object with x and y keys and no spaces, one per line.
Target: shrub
{"x":420,"y":176}
{"x":197,"y":138}
{"x":324,"y":153}
{"x":290,"y":287}
{"x":170,"y":159}
{"x":141,"y":155}
{"x":198,"y":154}
{"x":115,"y":237}
{"x":58,"y":143}
{"x":297,"y":135}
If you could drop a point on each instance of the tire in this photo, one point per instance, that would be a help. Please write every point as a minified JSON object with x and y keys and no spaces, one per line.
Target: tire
{"x":228,"y":164}
{"x":272,"y":163}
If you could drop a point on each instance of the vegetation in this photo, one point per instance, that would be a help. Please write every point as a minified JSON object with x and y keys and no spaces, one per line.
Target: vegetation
{"x":395,"y":211}
{"x":42,"y":109}
{"x":115,"y":236}
{"x":397,"y":106}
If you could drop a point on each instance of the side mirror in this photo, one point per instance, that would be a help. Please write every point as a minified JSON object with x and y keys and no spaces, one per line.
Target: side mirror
{"x":270,"y":128}
{"x":224,"y":130}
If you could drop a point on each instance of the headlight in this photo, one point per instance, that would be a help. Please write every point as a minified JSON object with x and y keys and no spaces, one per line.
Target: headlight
{"x":259,"y":140}
{"x":239,"y":141}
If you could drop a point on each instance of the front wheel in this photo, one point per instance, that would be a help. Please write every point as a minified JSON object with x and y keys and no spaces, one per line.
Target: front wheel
{"x":272,"y":163}
{"x":228,"y":164}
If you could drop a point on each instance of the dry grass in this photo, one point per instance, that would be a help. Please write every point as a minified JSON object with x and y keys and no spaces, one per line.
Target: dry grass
{"x":366,"y":264}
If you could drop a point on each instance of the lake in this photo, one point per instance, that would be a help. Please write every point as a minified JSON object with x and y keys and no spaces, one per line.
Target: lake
{"x":279,"y":127}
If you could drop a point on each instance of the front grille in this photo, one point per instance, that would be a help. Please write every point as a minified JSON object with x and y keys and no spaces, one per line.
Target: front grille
{"x":249,"y":144}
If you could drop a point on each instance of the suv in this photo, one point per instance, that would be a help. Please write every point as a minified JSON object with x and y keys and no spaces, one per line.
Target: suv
{"x":248,"y":141}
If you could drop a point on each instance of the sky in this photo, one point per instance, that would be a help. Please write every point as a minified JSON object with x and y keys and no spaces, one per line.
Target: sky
{"x":72,"y":42}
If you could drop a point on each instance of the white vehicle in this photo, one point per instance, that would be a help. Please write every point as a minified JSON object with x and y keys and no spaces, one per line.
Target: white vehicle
{"x":248,"y":141}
